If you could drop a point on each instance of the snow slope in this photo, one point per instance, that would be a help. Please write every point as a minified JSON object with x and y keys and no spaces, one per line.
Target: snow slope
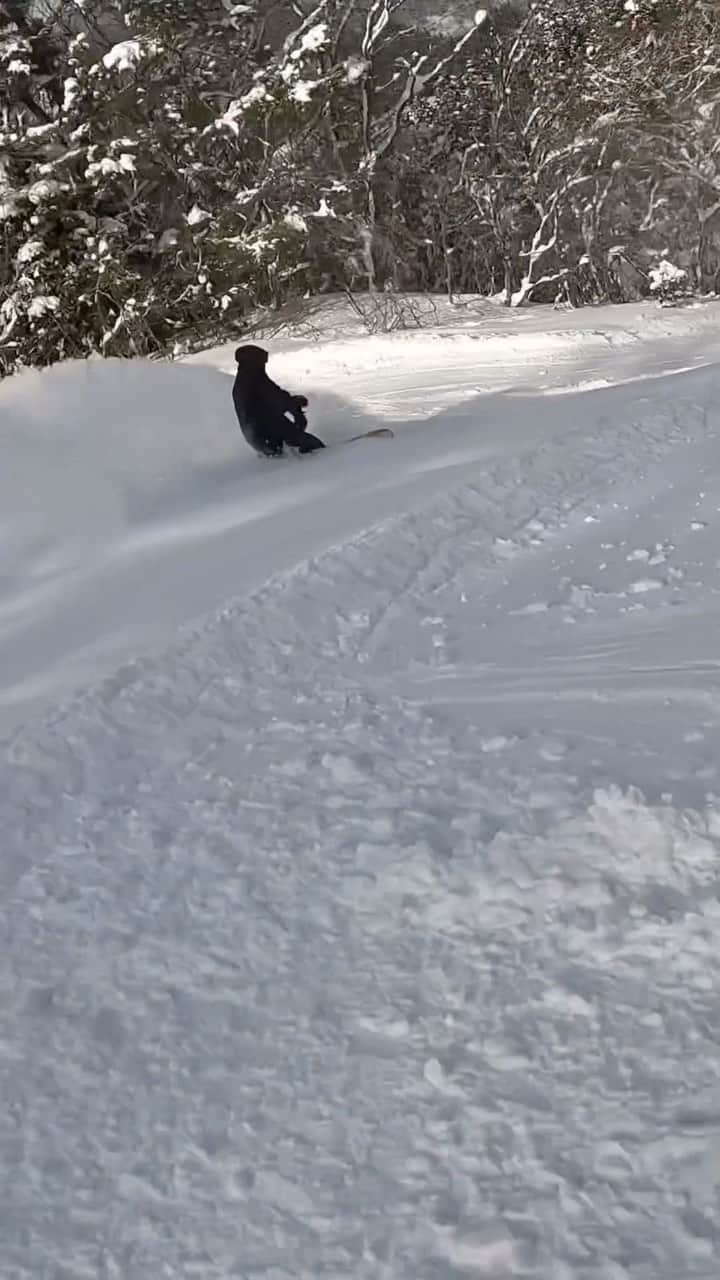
{"x":367,"y":927}
{"x":129,"y":503}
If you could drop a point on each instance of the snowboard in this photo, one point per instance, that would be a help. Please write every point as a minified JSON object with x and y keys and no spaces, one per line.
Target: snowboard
{"x":380,"y":433}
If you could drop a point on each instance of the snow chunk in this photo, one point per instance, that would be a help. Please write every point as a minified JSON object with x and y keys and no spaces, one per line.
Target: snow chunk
{"x":258,"y":93}
{"x":40,"y":130}
{"x":108,"y":166}
{"x":124,"y":56}
{"x":71,"y":87}
{"x":303,"y":90}
{"x":44,"y":189}
{"x":231,"y":117}
{"x":355,"y":69}
{"x":28,"y":252}
{"x":434,"y":1074}
{"x":197,"y":216}
{"x":666,"y":275}
{"x":324,"y":210}
{"x":42,"y":306}
{"x":295,"y":221}
{"x":246,"y":195}
{"x":311,"y":41}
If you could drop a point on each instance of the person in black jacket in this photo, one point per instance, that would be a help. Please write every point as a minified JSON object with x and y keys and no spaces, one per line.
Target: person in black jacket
{"x":264,"y":410}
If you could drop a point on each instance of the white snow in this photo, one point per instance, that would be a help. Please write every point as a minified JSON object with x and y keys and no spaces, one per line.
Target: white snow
{"x":198,"y":216}
{"x":31,"y":250}
{"x":236,"y":110}
{"x":312,"y":40}
{"x":108,"y":165}
{"x":71,"y":92}
{"x":124,"y":56}
{"x":302,"y":91}
{"x":295,"y":221}
{"x":41,"y":305}
{"x":668,"y":278}
{"x":355,"y":69}
{"x":360,"y":813}
{"x":42,"y":190}
{"x":324,"y":210}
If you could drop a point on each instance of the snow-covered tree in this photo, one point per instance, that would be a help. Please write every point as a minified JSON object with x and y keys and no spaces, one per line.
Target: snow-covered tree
{"x":167,"y":167}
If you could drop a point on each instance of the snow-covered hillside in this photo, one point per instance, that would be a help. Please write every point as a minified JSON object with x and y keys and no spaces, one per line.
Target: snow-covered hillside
{"x":367,"y":925}
{"x":129,"y":502}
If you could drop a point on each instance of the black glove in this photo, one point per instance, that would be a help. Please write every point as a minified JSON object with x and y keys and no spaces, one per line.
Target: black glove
{"x":301,"y":401}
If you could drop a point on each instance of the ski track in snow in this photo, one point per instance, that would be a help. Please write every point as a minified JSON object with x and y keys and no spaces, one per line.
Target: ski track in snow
{"x":338,"y":939}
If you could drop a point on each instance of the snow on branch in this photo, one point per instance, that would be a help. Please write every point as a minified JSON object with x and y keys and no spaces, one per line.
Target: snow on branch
{"x":418,"y":80}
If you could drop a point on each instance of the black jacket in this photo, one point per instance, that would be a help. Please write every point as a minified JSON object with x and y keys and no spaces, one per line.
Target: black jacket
{"x":262,"y":407}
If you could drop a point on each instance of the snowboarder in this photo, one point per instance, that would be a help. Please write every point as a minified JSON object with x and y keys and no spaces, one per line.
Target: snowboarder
{"x":263,"y":409}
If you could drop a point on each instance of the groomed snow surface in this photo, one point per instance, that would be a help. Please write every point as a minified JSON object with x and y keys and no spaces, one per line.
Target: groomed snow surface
{"x":360,"y":879}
